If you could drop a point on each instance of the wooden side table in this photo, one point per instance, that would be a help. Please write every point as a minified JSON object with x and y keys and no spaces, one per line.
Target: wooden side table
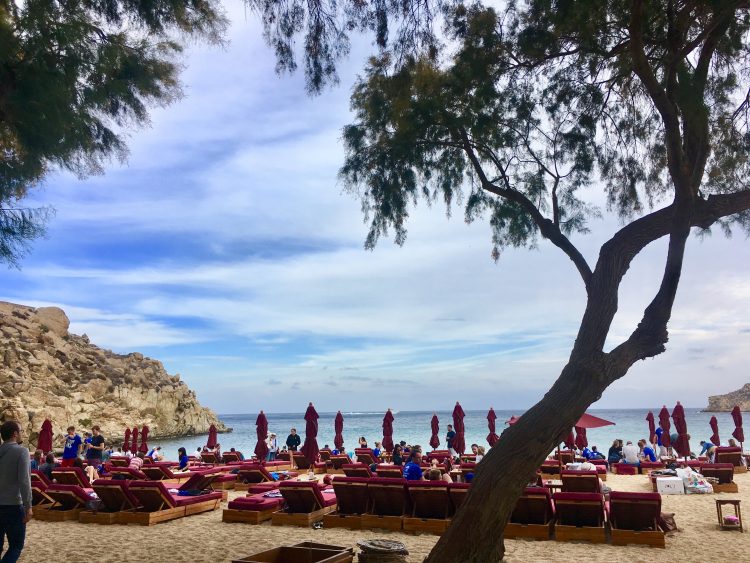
{"x":737,"y":512}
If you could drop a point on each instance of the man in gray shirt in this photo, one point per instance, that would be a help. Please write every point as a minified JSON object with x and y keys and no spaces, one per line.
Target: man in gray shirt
{"x":15,"y":491}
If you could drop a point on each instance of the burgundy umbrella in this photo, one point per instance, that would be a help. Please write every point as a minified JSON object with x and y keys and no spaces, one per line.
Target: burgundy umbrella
{"x":666,"y":441}
{"x":581,"y":441}
{"x":212,"y":437}
{"x":310,"y":447}
{"x":126,"y":443}
{"x":44,"y":442}
{"x":739,"y":433}
{"x":261,"y":431}
{"x":714,"y":424}
{"x":651,"y":427}
{"x":680,"y":425}
{"x":338,"y":426}
{"x":435,"y":427}
{"x":492,"y":437}
{"x":591,"y":421}
{"x":388,"y":431}
{"x":458,"y":443}
{"x":570,"y":441}
{"x":134,"y":438}
{"x":144,"y":440}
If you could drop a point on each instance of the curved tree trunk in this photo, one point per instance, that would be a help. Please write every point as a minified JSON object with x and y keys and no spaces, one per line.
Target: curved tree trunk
{"x":508,"y":466}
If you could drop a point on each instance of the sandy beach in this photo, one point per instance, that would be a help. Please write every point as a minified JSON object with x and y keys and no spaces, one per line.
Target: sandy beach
{"x":205,"y":538}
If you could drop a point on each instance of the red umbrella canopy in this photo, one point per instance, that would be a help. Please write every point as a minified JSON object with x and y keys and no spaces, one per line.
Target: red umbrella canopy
{"x":591,"y":421}
{"x":651,"y":427}
{"x":680,"y":425}
{"x":213,"y":436}
{"x":388,"y":431}
{"x":126,"y":443}
{"x":338,"y":426}
{"x":134,"y":443}
{"x":714,"y":424}
{"x":665,"y":426}
{"x":310,"y":447}
{"x":44,"y":442}
{"x":435,"y":427}
{"x":739,"y":433}
{"x":570,"y":441}
{"x":261,"y":431}
{"x":458,"y":443}
{"x":492,"y":437}
{"x":144,"y":440}
{"x":581,"y":441}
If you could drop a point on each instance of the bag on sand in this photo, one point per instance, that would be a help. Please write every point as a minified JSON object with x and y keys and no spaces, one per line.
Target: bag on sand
{"x":667,"y":522}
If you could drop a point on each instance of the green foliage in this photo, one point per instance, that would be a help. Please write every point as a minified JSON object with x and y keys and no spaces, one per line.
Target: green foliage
{"x":73,"y":77}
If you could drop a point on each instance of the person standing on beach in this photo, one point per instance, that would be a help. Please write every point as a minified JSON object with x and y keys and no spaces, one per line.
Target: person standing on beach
{"x":95,"y":449}
{"x":72,"y":447}
{"x":15,"y":491}
{"x":273,"y":447}
{"x":449,"y":440}
{"x":293,"y":440}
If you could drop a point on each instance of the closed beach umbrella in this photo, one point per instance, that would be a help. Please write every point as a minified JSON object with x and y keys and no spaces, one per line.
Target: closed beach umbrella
{"x":212,"y":436}
{"x":739,"y":433}
{"x":680,"y":425}
{"x":665,"y":426}
{"x":126,"y":443}
{"x":570,"y":440}
{"x":651,"y":427}
{"x":338,"y":426}
{"x":388,"y":431}
{"x":458,"y":443}
{"x":310,"y":447}
{"x":492,"y":437}
{"x":714,"y":424}
{"x":581,"y":440}
{"x":261,"y":431}
{"x":435,"y":428}
{"x":45,"y":437}
{"x":134,"y":438}
{"x":144,"y":440}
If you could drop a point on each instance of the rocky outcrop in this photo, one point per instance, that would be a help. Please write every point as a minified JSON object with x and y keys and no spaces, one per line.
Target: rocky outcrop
{"x":725,"y":403}
{"x":47,"y":372}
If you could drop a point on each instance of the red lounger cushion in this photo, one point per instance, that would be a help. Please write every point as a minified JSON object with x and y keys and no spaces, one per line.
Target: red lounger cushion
{"x":323,"y":500}
{"x":625,"y":495}
{"x":625,"y":469}
{"x":256,"y":502}
{"x":176,"y":500}
{"x":70,"y":494}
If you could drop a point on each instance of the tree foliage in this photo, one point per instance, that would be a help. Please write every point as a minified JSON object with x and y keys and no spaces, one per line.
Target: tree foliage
{"x":75,"y":76}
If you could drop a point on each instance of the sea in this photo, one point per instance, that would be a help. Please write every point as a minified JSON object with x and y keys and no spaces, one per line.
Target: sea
{"x":414,"y":428}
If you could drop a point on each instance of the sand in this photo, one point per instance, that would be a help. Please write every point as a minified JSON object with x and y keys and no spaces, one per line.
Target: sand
{"x":205,"y":538}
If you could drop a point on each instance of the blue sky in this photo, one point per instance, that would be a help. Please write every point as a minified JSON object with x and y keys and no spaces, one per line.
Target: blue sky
{"x":226,"y":248}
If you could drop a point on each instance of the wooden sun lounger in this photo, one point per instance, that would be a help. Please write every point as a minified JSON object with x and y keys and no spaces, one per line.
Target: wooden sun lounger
{"x":430,"y":507}
{"x":253,"y":509}
{"x":389,"y":502}
{"x":115,"y":498}
{"x":634,"y":518}
{"x":534,"y":515}
{"x":353,"y":501}
{"x":159,"y":505}
{"x":67,"y":503}
{"x":305,"y":504}
{"x":724,"y":472}
{"x":580,"y":517}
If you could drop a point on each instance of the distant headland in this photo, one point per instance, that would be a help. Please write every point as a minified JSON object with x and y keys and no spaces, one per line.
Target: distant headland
{"x":725,"y":403}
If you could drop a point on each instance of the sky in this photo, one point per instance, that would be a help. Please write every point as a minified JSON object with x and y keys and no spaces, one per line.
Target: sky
{"x":227,"y":248}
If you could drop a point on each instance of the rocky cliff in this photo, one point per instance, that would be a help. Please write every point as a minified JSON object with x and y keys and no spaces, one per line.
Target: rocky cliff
{"x":725,"y":403}
{"x":47,"y":372}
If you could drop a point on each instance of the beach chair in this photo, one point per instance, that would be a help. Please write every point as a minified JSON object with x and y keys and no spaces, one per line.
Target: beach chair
{"x":114,"y":497}
{"x":38,"y":490}
{"x":365,"y":455}
{"x":467,"y":468}
{"x":71,"y":476}
{"x":550,"y":469}
{"x":724,"y":472}
{"x":356,"y":470}
{"x":727,"y":454}
{"x":580,"y":481}
{"x":430,"y":507}
{"x":252,"y":509}
{"x":457,"y":493}
{"x":389,"y":502}
{"x":325,"y":454}
{"x":306,"y":502}
{"x":389,"y":471}
{"x":580,"y":516}
{"x":440,"y":455}
{"x":534,"y":515}
{"x":159,"y":472}
{"x":128,"y":474}
{"x":253,"y":474}
{"x":302,"y":463}
{"x":231,"y":457}
{"x":157,"y":504}
{"x":634,"y":518}
{"x":209,"y":458}
{"x":353,"y":501}
{"x":67,"y":503}
{"x":119,"y":461}
{"x":338,"y":461}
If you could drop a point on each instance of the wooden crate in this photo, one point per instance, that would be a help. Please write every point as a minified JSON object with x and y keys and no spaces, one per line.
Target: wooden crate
{"x":302,"y":519}
{"x":47,"y":514}
{"x":584,"y":533}
{"x":395,"y":523}
{"x":88,"y":517}
{"x":425,"y":525}
{"x":532,"y":531}
{"x":349,"y":521}
{"x":624,"y":537}
{"x":151,"y":518}
{"x":246,"y":516}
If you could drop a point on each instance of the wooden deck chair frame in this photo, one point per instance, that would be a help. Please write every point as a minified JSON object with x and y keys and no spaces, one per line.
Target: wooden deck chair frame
{"x":567,"y":532}
{"x":350,"y":495}
{"x":430,"y":508}
{"x":303,"y":518}
{"x":622,"y":536}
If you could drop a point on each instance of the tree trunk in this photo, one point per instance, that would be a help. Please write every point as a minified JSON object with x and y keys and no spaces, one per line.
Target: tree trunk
{"x":509,"y":466}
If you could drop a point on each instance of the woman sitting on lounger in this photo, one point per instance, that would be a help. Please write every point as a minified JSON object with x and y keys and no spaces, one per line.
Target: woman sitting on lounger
{"x":397,"y":458}
{"x":183,"y":459}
